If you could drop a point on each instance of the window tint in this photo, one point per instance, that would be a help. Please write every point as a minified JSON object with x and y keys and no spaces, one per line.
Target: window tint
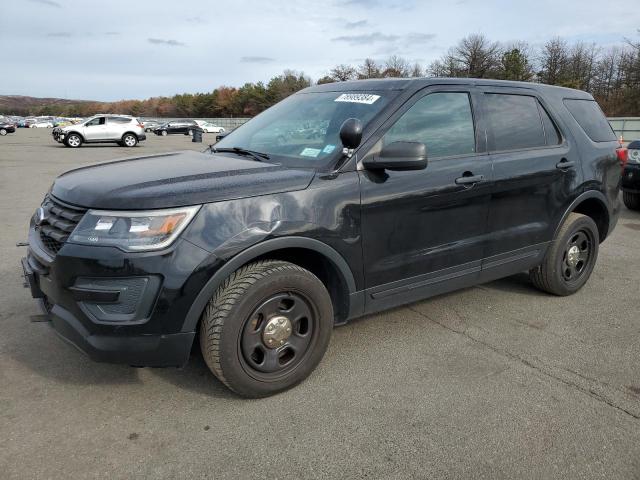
{"x":550,"y":129}
{"x":589,"y":116}
{"x":514,"y":121}
{"x":96,"y":121}
{"x":119,"y":120}
{"x":442,"y":121}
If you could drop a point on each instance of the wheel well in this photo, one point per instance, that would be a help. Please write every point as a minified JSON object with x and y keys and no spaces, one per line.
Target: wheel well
{"x":77,"y":133}
{"x":321,"y":267}
{"x":127,"y":133}
{"x":594,"y":208}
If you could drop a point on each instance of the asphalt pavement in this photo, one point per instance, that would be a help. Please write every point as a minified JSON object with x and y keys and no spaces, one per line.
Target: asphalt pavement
{"x":495,"y":381}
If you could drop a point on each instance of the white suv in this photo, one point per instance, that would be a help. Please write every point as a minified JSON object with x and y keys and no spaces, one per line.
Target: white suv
{"x":124,"y":130}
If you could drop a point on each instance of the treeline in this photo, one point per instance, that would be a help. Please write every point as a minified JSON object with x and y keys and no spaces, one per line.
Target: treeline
{"x":611,"y":75}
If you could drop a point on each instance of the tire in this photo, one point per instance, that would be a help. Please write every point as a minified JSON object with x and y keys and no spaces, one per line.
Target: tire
{"x":164,"y":133}
{"x":73,"y":140}
{"x":3,"y":132}
{"x":631,"y":200}
{"x":129,"y":140}
{"x":563,"y":271}
{"x":250,"y":303}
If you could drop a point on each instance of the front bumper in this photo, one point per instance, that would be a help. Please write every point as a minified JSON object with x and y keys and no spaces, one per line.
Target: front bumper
{"x":152,"y":338}
{"x":631,"y":178}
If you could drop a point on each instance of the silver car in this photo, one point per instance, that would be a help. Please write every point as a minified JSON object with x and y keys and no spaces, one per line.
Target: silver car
{"x":124,"y":130}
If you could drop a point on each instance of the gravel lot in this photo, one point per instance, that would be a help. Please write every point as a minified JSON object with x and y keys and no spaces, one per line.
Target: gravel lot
{"x":496,"y":381}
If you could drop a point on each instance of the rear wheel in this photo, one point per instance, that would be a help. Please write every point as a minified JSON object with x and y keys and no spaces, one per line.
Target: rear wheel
{"x":3,"y":132}
{"x":73,"y":140}
{"x":129,"y":140}
{"x":570,"y":259}
{"x":164,"y":133}
{"x":631,"y":200}
{"x":266,"y":328}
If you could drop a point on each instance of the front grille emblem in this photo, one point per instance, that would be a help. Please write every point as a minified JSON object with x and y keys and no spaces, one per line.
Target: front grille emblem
{"x":40,"y":216}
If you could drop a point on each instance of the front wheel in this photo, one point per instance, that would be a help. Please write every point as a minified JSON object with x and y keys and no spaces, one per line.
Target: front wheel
{"x":3,"y":132}
{"x":164,"y":133}
{"x":266,"y":328}
{"x":631,"y":200}
{"x":74,"y":140}
{"x":570,"y":259}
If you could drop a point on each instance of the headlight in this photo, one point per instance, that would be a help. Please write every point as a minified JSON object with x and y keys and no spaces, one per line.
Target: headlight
{"x":133,"y":231}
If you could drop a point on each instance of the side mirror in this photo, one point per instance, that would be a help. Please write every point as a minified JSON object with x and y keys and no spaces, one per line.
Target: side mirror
{"x":351,"y":133}
{"x":399,"y":156}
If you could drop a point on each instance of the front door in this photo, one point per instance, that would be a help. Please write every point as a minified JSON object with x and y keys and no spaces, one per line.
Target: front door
{"x":95,"y":129}
{"x":423,"y":231}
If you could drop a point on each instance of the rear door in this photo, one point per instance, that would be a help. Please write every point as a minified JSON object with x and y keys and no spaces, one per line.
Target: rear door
{"x":535,"y":172}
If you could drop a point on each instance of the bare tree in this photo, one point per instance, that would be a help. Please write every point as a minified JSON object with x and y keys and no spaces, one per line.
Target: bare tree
{"x":417,"y":71}
{"x":553,"y":62}
{"x":396,"y":66}
{"x":369,"y":69}
{"x":476,"y":56}
{"x":342,"y":73}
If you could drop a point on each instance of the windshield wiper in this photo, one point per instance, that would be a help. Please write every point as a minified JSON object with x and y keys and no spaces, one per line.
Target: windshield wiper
{"x":257,"y":156}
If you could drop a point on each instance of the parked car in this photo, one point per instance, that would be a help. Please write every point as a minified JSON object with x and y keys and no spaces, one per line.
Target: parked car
{"x":124,"y":130}
{"x":209,"y":127}
{"x":150,"y":125}
{"x":631,"y":177}
{"x":6,"y":127}
{"x":184,"y":127}
{"x":259,"y":252}
{"x":41,"y":124}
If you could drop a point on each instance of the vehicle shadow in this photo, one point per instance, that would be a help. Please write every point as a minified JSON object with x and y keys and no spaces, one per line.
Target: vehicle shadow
{"x":195,"y":376}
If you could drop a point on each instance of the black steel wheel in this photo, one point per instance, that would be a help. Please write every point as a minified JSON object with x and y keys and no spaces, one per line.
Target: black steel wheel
{"x":571,"y":257}
{"x":266,"y":328}
{"x":278,"y":334}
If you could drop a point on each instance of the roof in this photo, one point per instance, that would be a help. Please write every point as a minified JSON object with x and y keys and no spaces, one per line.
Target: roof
{"x":382,"y":84}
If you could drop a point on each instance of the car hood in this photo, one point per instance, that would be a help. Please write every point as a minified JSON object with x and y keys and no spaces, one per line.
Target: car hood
{"x":175,"y":179}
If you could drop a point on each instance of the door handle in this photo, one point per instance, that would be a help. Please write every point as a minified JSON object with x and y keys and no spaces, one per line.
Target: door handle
{"x":469,"y":179}
{"x":564,"y":164}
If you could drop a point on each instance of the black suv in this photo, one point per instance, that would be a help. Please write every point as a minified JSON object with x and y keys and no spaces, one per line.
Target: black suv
{"x":185,"y":127}
{"x":258,"y":246}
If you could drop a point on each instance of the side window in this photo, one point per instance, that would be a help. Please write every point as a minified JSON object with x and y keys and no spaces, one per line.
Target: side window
{"x":591,"y":119}
{"x":96,"y":121}
{"x":442,"y":121}
{"x":119,"y":120}
{"x":514,"y":121}
{"x":550,"y":130}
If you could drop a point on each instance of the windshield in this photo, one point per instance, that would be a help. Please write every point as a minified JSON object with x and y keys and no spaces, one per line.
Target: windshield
{"x":303,"y":130}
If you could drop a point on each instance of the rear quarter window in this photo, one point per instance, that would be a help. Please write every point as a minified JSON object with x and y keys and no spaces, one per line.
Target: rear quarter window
{"x":591,"y":119}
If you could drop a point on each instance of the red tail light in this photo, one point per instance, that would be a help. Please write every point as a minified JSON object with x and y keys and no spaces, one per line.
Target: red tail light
{"x":623,"y":156}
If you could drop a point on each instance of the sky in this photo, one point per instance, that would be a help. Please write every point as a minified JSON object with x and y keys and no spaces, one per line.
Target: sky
{"x":135,"y":49}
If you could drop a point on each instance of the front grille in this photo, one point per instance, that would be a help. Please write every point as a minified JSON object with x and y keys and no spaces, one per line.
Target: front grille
{"x":59,"y":221}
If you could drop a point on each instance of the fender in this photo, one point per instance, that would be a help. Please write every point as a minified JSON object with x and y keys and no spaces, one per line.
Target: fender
{"x":244,"y":257}
{"x":579,"y":199}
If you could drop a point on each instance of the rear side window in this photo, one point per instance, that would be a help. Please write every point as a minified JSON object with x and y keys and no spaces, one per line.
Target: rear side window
{"x":119,"y":120}
{"x":515,"y":121}
{"x":443,"y":121}
{"x":589,"y":116}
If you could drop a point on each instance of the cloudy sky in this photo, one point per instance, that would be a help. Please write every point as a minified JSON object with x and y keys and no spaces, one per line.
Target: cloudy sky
{"x":115,"y":49}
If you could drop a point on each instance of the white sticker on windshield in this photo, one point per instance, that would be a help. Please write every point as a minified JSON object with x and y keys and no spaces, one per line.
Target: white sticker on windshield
{"x":365,"y":98}
{"x":310,"y":152}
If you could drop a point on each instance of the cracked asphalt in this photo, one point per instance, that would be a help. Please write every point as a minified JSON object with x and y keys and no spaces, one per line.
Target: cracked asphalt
{"x":495,"y":381}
